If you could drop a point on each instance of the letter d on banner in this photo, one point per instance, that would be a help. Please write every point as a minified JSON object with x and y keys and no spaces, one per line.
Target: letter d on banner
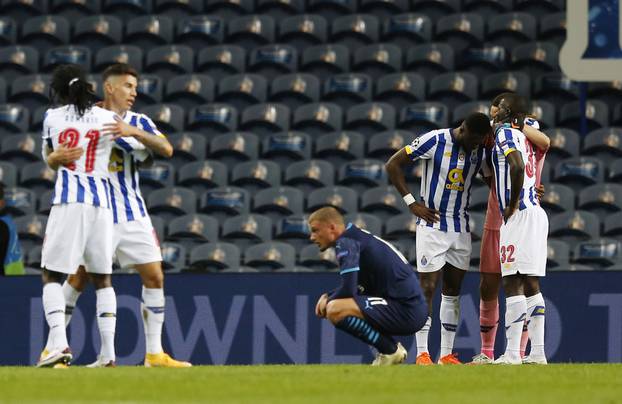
{"x":592,"y":49}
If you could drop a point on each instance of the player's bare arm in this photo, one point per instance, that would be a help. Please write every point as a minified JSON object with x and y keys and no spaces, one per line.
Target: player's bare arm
{"x":63,"y":155}
{"x":517,"y":170}
{"x":395,"y":169}
{"x":159,"y":145}
{"x":537,"y":137}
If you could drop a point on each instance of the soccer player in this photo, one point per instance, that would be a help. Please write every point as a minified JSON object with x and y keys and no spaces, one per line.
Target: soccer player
{"x":490,"y":266}
{"x":451,"y":158}
{"x":79,"y":228}
{"x":523,"y":233}
{"x":135,"y":243}
{"x":379,"y":296}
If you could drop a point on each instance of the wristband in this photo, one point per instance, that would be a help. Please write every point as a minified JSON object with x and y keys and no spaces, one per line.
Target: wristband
{"x":409,"y":199}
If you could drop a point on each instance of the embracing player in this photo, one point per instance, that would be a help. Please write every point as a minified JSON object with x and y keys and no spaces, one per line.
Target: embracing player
{"x":451,"y":159}
{"x":379,"y":296}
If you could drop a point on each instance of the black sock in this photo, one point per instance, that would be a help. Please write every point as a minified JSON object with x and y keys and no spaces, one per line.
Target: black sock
{"x":361,"y":329}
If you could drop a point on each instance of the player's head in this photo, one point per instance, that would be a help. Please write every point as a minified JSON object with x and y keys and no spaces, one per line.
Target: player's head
{"x":326,"y":226}
{"x":512,"y":108}
{"x":120,"y":83}
{"x":494,"y":106}
{"x":476,"y":130}
{"x":69,"y":87}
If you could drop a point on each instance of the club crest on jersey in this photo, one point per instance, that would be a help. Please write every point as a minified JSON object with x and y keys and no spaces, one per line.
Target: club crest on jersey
{"x":461,"y":156}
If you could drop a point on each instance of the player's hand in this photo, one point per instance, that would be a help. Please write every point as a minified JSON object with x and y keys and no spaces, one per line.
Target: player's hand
{"x":540,"y":192}
{"x":320,"y":307}
{"x":65,"y":155}
{"x":119,"y":129}
{"x":420,"y":210}
{"x":508,"y":212}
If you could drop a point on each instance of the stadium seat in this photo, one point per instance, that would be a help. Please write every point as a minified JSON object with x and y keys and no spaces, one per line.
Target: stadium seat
{"x":303,"y":31}
{"x":538,"y":7}
{"x":400,"y":89}
{"x":564,"y":144}
{"x":604,"y":252}
{"x":224,"y":202}
{"x":172,"y":202}
{"x":18,"y":60}
{"x":149,"y":31}
{"x":193,"y":228}
{"x":383,"y":202}
{"x":97,"y":32}
{"x":265,"y":119}
{"x":160,"y":174}
{"x":202,"y":175}
{"x":553,"y":28}
{"x":407,"y":30}
{"x":212,"y":119}
{"x":190,"y":90}
{"x":601,"y":199}
{"x":20,"y":201}
{"x":149,"y":89}
{"x":340,"y":147}
{"x":126,"y":9}
{"x":245,"y":230}
{"x":20,"y":149}
{"x":8,"y":174}
{"x":95,"y":80}
{"x":556,"y":88}
{"x":613,"y":226}
{"x":280,"y":9}
{"x":286,"y":148}
{"x":295,"y":89}
{"x":377,"y":60}
{"x":430,"y":59}
{"x":557,"y":198}
{"x":8,"y":31}
{"x":331,"y":9}
{"x":199,"y":31}
{"x":574,"y":226}
{"x":596,"y":113}
{"x":278,"y":202}
{"x":110,"y":55}
{"x":36,"y":120}
{"x":383,"y":8}
{"x":535,"y":58}
{"x":14,"y":118}
{"x":221,"y":61}
{"x":250,"y":32}
{"x":453,"y":89}
{"x":167,"y":117}
{"x":256,"y":175}
{"x":242,"y":90}
{"x":270,"y":256}
{"x":608,"y":92}
{"x":170,"y":61}
{"x":318,"y":118}
{"x":177,"y":9}
{"x":422,"y":117}
{"x":44,"y":32}
{"x":45,"y":202}
{"x":558,"y":254}
{"x":476,"y":225}
{"x":544,"y":112}
{"x":232,"y":148}
{"x":604,"y":144}
{"x":173,"y":257}
{"x":461,"y":31}
{"x":293,"y":230}
{"x":370,"y":118}
{"x":401,"y":227}
{"x":308,"y":175}
{"x":3,"y":91}
{"x":272,"y":61}
{"x":365,"y":221}
{"x":511,"y":29}
{"x":312,"y":257}
{"x":229,"y":9}
{"x":32,"y":258}
{"x":479,"y":199}
{"x":436,"y":9}
{"x":348,"y":89}
{"x":342,"y":198}
{"x":187,"y":147}
{"x":383,"y":145}
{"x":579,"y":172}
{"x":325,"y":61}
{"x":38,"y":177}
{"x":355,"y":30}
{"x":495,"y":84}
{"x":158,"y":227}
{"x":31,"y":91}
{"x":20,"y":11}
{"x":31,"y":231}
{"x":487,"y":8}
{"x":461,"y":112}
{"x":362,"y":174}
{"x":615,"y":171}
{"x":60,"y":55}
{"x":483,"y":61}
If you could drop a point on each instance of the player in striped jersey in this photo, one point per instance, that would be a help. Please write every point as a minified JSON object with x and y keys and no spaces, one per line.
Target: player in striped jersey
{"x":451,"y":158}
{"x":490,"y":266}
{"x":79,"y":228}
{"x":135,"y":242}
{"x":523,"y":233}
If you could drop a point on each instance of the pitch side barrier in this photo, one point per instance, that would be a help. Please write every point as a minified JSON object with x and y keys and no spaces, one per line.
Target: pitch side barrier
{"x":236,"y":318}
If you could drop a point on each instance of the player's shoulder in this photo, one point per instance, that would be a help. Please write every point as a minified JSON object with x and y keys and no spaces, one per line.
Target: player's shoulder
{"x":102,"y":112}
{"x":532,"y":122}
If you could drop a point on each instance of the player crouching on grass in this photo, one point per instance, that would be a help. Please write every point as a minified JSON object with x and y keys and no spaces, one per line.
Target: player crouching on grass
{"x":379,"y":296}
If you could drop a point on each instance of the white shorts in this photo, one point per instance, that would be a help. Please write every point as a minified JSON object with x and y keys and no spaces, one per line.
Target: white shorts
{"x":435,"y":248}
{"x":523,"y":243}
{"x":136,"y":243}
{"x":76,"y":234}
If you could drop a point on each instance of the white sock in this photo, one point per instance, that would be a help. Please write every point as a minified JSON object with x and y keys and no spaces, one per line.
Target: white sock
{"x":449,"y":315}
{"x":515,"y":312}
{"x":152,"y":307}
{"x":71,"y":297}
{"x":422,"y":337}
{"x":535,"y":311}
{"x":107,"y":321}
{"x":54,"y":308}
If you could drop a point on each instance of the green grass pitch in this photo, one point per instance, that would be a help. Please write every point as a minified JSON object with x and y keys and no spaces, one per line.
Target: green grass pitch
{"x":564,"y":383}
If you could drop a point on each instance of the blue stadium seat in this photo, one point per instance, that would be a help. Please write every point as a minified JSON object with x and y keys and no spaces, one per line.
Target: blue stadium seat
{"x":31,"y":91}
{"x":487,"y":8}
{"x":221,"y":61}
{"x":558,"y":254}
{"x":308,"y":175}
{"x":18,"y":60}
{"x":190,"y":90}
{"x":272,"y":61}
{"x":38,"y":177}
{"x":8,"y":174}
{"x":553,"y":28}
{"x":127,"y":9}
{"x":8,"y":31}
{"x":601,"y":199}
{"x":579,"y":171}
{"x":355,"y":30}
{"x":558,"y":198}
{"x":365,"y":221}
{"x":400,"y":89}
{"x":293,"y":230}
{"x":167,"y":117}
{"x":231,"y":148}
{"x":97,"y":32}
{"x":556,"y":88}
{"x":229,"y":9}
{"x":535,"y":58}
{"x":149,"y":31}
{"x":196,"y":227}
{"x":401,"y":227}
{"x":312,"y":257}
{"x":187,"y":147}
{"x":377,"y":60}
{"x":265,"y":119}
{"x":340,"y":147}
{"x":422,"y":117}
{"x":203,"y":175}
{"x":170,"y":61}
{"x":348,"y":89}
{"x":383,"y":202}
{"x":158,"y":175}
{"x":544,"y":112}
{"x":295,"y":89}
{"x":603,"y":144}
{"x":20,"y":11}
{"x":574,"y":226}
{"x":325,"y":60}
{"x":515,"y":82}
{"x":286,"y":148}
{"x":110,"y":55}
{"x":331,"y":9}
{"x":245,"y":230}
{"x":362,"y":174}
{"x":270,"y":256}
{"x":45,"y":32}
{"x":461,"y":112}
{"x":604,"y":252}
{"x":318,"y":118}
{"x":484,"y":61}
{"x":383,"y":145}
{"x":20,"y":149}
{"x":436,"y":9}
{"x":174,"y":257}
{"x":511,"y":29}
{"x":172,"y":202}
{"x":177,"y":9}
{"x":344,"y":199}
{"x":200,"y":31}
{"x":210,"y":119}
{"x":430,"y":59}
{"x":280,"y":9}
{"x":279,"y":202}
{"x":149,"y":90}
{"x":14,"y":118}
{"x":407,"y":30}
{"x":596,"y":113}
{"x":242,"y":90}
{"x":370,"y":118}
{"x":251,"y":31}
{"x":60,"y":55}
{"x":215,"y":257}
{"x":256,"y":175}
{"x":303,"y":31}
{"x":453,"y":89}
{"x":20,"y":201}
{"x":460,"y":31}
{"x":224,"y":202}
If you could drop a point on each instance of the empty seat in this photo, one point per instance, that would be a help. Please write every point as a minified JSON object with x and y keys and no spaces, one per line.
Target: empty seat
{"x":264,"y":119}
{"x":383,"y":145}
{"x":558,"y":198}
{"x":608,"y":92}
{"x":31,"y":230}
{"x":383,"y":8}
{"x":45,"y":32}
{"x":574,"y":226}
{"x":8,"y":31}
{"x":8,"y":174}
{"x":200,"y":31}
{"x":355,"y":31}
{"x":38,"y":177}
{"x":604,"y":252}
{"x":170,"y":202}
{"x":461,"y":112}
{"x":436,"y":9}
{"x":251,"y":31}
{"x":535,"y":58}
{"x":149,"y":31}
{"x":256,"y":175}
{"x":19,"y":201}
{"x":342,"y":198}
{"x":325,"y":60}
{"x":223,"y":202}
{"x":515,"y":82}
{"x":370,"y":118}
{"x":293,"y":230}
{"x":318,"y":118}
{"x":604,"y":144}
{"x":407,"y":30}
{"x":242,"y":90}
{"x":247,"y":229}
{"x":221,"y":61}
{"x":422,"y":117}
{"x":45,"y":202}
{"x":173,"y":256}
{"x":309,"y":174}
{"x":278,"y":202}
{"x":231,"y":148}
{"x":400,"y":89}
{"x":18,"y":60}
{"x":31,"y":91}
{"x":178,"y":9}
{"x":487,"y":8}
{"x":215,"y":257}
{"x":613,"y":225}
{"x":615,"y":171}
{"x":365,"y":221}
{"x":362,"y":174}
{"x":190,"y":90}
{"x":21,"y":149}
{"x":544,"y":112}
{"x":20,"y":11}
{"x":168,"y":117}
{"x":285,"y":148}
{"x":97,"y":32}
{"x":303,"y":31}
{"x":453,"y":89}
{"x":539,"y":8}
{"x":348,"y":89}
{"x":401,"y":227}
{"x":211,"y":119}
{"x":169,"y":61}
{"x":430,"y":59}
{"x":312,"y":257}
{"x":558,"y":254}
{"x":383,"y":202}
{"x":553,"y":28}
{"x":596,"y":113}
{"x":579,"y":171}
{"x":479,"y":199}
{"x":269,"y":256}
{"x":512,"y":29}
{"x":460,"y":31}
{"x":187,"y":147}
{"x":79,"y":55}
{"x":14,"y":118}
{"x":601,"y":199}
{"x":202,"y":175}
{"x":377,"y":60}
{"x":228,"y":9}
{"x":340,"y":147}
{"x":149,"y":88}
{"x":32,"y":258}
{"x":331,"y":9}
{"x":484,"y":61}
{"x":556,"y":88}
{"x":271,"y":61}
{"x":110,"y":55}
{"x":158,"y":175}
{"x":198,"y":228}
{"x":280,"y":9}
{"x":295,"y":89}
{"x":126,"y":9}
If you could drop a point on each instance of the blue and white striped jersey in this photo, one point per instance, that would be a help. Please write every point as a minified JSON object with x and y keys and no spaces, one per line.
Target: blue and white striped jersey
{"x":128,"y":203}
{"x":448,"y":173}
{"x":85,"y":180}
{"x":508,"y":140}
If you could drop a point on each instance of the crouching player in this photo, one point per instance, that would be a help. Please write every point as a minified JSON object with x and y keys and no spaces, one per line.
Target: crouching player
{"x":379,"y":296}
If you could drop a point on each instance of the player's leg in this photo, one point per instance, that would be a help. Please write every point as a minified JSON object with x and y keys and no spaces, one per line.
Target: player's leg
{"x":515,"y":313}
{"x":490,"y":283}
{"x":106,"y":318}
{"x":57,"y":348}
{"x":536,"y":310}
